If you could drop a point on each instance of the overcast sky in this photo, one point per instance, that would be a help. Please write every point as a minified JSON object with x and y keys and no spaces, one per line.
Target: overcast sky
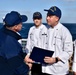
{"x":28,"y":7}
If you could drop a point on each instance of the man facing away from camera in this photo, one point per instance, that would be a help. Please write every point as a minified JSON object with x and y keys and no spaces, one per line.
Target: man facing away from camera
{"x":11,"y":54}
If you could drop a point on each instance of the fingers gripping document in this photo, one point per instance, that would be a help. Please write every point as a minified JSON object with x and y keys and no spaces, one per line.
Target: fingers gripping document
{"x":38,"y":55}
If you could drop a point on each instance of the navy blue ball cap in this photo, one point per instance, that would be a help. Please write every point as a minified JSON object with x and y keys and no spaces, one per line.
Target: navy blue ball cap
{"x":37,"y":15}
{"x":54,"y":10}
{"x":14,"y":18}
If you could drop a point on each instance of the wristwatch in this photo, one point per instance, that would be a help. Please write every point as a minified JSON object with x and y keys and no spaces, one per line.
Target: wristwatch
{"x":56,"y":59}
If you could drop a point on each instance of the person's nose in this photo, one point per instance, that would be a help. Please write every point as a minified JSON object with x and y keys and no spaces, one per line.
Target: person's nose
{"x":47,"y":17}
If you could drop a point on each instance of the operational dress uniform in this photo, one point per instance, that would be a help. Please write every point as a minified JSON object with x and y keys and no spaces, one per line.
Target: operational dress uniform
{"x":11,"y":54}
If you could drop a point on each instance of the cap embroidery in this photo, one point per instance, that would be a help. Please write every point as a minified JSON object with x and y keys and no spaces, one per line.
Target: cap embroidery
{"x":53,"y":9}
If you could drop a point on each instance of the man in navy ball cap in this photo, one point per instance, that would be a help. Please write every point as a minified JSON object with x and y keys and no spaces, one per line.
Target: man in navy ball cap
{"x":54,"y":10}
{"x":14,"y":18}
{"x":37,"y":15}
{"x":11,"y":54}
{"x":36,"y":38}
{"x":59,"y":41}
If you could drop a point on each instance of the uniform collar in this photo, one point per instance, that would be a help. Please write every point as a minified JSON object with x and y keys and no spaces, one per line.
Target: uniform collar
{"x":11,"y":33}
{"x":57,"y":27}
{"x":40,"y":27}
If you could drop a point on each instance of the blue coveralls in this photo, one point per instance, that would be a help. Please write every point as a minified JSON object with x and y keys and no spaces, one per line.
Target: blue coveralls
{"x":11,"y":54}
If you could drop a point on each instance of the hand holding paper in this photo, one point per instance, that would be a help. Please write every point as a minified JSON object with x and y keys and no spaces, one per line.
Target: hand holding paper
{"x":38,"y":54}
{"x":49,"y":60}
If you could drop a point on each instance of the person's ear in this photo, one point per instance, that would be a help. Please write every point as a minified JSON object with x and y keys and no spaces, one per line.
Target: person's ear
{"x":57,"y":18}
{"x":16,"y":26}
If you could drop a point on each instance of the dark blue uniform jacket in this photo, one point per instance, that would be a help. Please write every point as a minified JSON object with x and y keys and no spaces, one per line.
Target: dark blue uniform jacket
{"x":11,"y":54}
